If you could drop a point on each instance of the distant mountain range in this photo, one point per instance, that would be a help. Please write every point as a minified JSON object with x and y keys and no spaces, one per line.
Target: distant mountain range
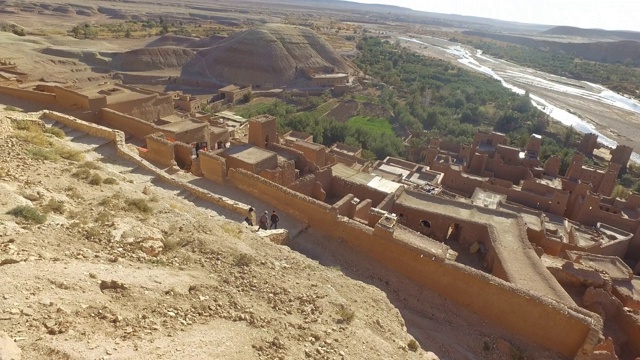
{"x":593,"y":33}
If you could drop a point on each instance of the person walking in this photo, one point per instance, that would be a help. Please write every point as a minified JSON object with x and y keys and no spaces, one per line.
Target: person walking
{"x":274,"y":220}
{"x":264,"y":220}
{"x":251,"y":217}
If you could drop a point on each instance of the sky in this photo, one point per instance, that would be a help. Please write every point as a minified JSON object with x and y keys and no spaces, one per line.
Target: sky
{"x":601,"y":14}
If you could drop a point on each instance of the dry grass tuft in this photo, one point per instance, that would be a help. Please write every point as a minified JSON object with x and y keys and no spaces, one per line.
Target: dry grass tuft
{"x":139,"y":204}
{"x":345,"y":314}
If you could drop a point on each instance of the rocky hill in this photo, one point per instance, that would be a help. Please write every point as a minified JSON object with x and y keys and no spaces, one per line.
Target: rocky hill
{"x":272,"y":53}
{"x":100,"y":261}
{"x":153,"y":58}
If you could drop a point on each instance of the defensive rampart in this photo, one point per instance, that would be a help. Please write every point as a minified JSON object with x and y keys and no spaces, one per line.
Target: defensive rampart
{"x":30,"y":95}
{"x":566,"y":329}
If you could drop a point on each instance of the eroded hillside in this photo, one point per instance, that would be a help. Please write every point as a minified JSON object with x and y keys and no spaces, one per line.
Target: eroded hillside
{"x":100,"y":261}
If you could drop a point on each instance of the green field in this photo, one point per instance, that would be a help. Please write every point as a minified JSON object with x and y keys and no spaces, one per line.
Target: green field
{"x":370,"y":123}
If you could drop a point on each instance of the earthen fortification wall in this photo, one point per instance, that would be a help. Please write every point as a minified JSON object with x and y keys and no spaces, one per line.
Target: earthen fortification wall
{"x":125,"y":152}
{"x":128,"y":124}
{"x":568,"y":330}
{"x":30,"y":95}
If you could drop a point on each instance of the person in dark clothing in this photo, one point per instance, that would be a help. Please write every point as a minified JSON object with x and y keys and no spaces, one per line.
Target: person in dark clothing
{"x":197,"y":149}
{"x":274,"y":220}
{"x":262,"y":224}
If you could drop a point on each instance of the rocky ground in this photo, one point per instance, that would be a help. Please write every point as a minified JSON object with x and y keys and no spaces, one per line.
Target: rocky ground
{"x":123,"y":269}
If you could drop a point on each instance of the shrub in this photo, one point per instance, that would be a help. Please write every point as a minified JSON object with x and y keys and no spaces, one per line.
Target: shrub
{"x":345,"y":315}
{"x":55,"y":132}
{"x":95,"y":179}
{"x":11,"y":108}
{"x":39,"y":153}
{"x":28,"y":213}
{"x":103,"y":217}
{"x":139,"y":204}
{"x":69,"y":154}
{"x":110,"y":181}
{"x":243,"y":260}
{"x":173,"y":243}
{"x":413,"y":345}
{"x":89,"y":165}
{"x":56,"y":206}
{"x":82,"y":173}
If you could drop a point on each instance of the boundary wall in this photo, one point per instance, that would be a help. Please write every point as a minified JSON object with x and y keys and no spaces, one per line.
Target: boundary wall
{"x":37,"y":96}
{"x":130,"y":154}
{"x":568,"y":330}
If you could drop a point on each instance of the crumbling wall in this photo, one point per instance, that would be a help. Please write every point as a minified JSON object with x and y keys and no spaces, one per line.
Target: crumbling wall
{"x":182,"y":155}
{"x":453,"y":180}
{"x":127,"y":124}
{"x":213,"y":166}
{"x":30,"y":95}
{"x":304,"y":185}
{"x":70,"y":99}
{"x":149,"y":108}
{"x":159,"y":150}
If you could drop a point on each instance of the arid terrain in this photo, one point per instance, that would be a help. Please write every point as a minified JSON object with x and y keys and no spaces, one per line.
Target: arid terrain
{"x":102,"y":259}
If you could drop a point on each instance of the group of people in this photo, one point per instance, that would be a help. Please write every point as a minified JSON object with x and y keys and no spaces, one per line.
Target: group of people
{"x":265,"y":222}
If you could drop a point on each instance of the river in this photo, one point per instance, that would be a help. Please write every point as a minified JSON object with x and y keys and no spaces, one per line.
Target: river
{"x":499,"y":70}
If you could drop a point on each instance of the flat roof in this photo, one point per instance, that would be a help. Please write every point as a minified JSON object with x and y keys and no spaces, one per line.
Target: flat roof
{"x":612,"y":265}
{"x":345,"y":172}
{"x":309,"y":145}
{"x":249,"y":154}
{"x":181,"y":126}
{"x":230,"y":88}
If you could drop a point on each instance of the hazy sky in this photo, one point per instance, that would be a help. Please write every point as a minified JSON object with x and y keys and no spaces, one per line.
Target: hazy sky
{"x":603,"y":14}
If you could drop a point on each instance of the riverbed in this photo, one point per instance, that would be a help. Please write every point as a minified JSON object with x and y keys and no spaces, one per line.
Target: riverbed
{"x":587,"y":107}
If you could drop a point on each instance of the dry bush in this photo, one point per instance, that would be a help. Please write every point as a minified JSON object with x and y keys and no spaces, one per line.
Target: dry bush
{"x":95,"y":179}
{"x":28,"y":213}
{"x":53,"y":205}
{"x":82,"y":173}
{"x":90,"y":165}
{"x":11,"y":108}
{"x":413,"y":345}
{"x":139,"y":204}
{"x":69,"y":154}
{"x":54,"y":131}
{"x":174,"y":243}
{"x":345,"y":314}
{"x":73,"y":193}
{"x":56,"y":153}
{"x":103,"y":217}
{"x":243,"y":260}
{"x":39,"y":153}
{"x":110,"y":181}
{"x":92,"y":233}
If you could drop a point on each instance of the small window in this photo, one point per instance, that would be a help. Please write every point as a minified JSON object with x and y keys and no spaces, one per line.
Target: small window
{"x":425,"y":224}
